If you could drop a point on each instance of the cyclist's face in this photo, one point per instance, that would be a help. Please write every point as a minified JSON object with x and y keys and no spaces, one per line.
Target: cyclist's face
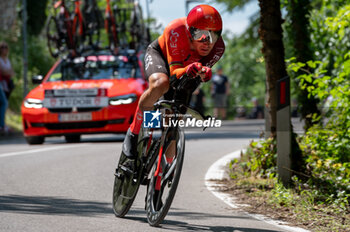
{"x":203,"y":48}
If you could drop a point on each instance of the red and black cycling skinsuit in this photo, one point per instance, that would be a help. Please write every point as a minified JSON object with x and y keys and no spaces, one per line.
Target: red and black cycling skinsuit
{"x":171,"y":53}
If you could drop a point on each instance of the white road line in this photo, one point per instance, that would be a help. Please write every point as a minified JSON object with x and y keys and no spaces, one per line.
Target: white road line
{"x":39,"y":150}
{"x":217,"y":172}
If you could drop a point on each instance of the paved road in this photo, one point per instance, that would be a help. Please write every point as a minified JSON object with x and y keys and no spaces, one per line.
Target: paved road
{"x":68,"y":187}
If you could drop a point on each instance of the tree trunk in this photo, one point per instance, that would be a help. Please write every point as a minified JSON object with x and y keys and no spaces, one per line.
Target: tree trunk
{"x":301,"y":42}
{"x":270,"y":33}
{"x":7,"y":14}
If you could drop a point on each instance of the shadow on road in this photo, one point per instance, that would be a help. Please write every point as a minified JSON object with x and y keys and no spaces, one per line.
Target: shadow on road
{"x":190,"y":135}
{"x":178,"y":225}
{"x":52,"y":206}
{"x":64,"y":206}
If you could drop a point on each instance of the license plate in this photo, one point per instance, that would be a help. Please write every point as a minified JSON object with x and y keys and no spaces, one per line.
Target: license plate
{"x":83,"y":102}
{"x":75,"y":117}
{"x":70,"y":92}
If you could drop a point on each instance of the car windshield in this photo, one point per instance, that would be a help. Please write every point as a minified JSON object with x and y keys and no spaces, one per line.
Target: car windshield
{"x":97,"y":68}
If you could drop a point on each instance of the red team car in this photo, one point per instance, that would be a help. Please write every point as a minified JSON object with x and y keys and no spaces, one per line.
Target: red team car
{"x":91,"y":94}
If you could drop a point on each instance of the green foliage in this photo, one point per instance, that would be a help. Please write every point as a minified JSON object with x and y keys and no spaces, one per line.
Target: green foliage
{"x":316,"y":200}
{"x":234,"y":4}
{"x":244,"y":66}
{"x":327,"y":146}
{"x":329,"y":46}
{"x":259,"y":160}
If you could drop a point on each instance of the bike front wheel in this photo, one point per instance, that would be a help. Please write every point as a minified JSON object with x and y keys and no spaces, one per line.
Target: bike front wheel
{"x":126,"y":185}
{"x":162,"y":186}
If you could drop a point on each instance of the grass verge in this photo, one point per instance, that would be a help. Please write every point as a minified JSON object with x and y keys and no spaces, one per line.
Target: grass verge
{"x":14,"y":121}
{"x":301,"y":205}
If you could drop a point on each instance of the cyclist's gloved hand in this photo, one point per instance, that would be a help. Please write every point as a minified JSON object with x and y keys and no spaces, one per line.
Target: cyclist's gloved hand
{"x":193,"y":69}
{"x":206,"y":74}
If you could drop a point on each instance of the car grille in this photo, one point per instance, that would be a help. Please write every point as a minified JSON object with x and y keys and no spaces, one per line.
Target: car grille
{"x":77,"y":125}
{"x":68,"y":110}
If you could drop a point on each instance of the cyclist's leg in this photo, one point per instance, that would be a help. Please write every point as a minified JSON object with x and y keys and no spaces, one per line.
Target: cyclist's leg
{"x":157,"y":71}
{"x":158,"y":85}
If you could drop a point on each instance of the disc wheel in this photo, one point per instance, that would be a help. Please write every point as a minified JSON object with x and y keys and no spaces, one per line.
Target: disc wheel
{"x":159,"y":201}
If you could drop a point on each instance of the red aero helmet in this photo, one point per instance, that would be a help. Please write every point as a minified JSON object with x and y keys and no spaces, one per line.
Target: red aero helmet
{"x":204,"y":17}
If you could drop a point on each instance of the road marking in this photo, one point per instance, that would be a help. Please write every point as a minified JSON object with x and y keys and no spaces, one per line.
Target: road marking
{"x":217,"y":172}
{"x":39,"y":150}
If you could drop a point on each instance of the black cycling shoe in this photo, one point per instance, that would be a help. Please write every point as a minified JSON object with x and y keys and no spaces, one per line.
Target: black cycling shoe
{"x":129,"y":166}
{"x":130,"y":145}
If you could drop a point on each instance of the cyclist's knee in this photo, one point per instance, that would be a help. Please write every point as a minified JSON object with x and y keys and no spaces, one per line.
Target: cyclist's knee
{"x":159,"y":82}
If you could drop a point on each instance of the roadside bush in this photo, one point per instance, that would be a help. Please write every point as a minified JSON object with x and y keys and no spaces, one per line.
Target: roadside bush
{"x":259,"y":160}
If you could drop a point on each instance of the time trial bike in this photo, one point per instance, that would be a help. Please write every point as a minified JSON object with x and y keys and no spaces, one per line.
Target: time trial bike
{"x":152,"y":167}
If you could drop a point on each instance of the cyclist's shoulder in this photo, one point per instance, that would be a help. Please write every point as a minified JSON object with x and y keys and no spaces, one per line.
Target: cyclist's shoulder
{"x":178,"y":25}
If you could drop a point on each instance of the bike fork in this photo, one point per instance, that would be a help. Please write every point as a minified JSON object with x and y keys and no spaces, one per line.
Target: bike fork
{"x":158,"y":173}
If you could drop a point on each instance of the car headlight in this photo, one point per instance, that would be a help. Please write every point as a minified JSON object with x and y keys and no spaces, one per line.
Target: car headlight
{"x":124,"y":99}
{"x":33,"y":103}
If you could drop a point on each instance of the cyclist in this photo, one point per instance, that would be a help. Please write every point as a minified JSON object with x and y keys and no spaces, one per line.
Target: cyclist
{"x":190,"y":45}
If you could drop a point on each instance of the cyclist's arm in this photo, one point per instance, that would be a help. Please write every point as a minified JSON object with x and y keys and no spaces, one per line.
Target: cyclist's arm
{"x":177,"y":68}
{"x":176,"y":45}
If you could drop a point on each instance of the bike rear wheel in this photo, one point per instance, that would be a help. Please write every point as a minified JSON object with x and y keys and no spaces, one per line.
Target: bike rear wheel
{"x":169,"y":179}
{"x":54,"y":41}
{"x":93,"y":23}
{"x":112,"y":34}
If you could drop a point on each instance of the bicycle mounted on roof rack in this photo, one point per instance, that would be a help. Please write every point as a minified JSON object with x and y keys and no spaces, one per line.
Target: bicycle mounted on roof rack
{"x":78,"y":32}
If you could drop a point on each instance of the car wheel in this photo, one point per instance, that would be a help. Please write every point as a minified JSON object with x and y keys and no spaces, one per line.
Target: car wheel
{"x":72,"y":138}
{"x":35,"y":140}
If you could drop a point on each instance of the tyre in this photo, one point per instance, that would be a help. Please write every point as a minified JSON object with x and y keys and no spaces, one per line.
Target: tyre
{"x":125,"y":188}
{"x":54,"y":41}
{"x":32,"y":140}
{"x":112,"y":34}
{"x":93,"y":23}
{"x":159,"y":201}
{"x":72,"y":138}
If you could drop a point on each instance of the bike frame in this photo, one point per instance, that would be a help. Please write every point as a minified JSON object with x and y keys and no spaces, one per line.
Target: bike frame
{"x":110,"y":24}
{"x":78,"y":18}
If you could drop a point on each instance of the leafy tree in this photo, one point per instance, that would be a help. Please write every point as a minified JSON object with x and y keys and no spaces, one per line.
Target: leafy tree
{"x":234,"y":4}
{"x":299,"y":36}
{"x":36,"y":11}
{"x":7,"y":14}
{"x":270,"y":33}
{"x":243,"y":65}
